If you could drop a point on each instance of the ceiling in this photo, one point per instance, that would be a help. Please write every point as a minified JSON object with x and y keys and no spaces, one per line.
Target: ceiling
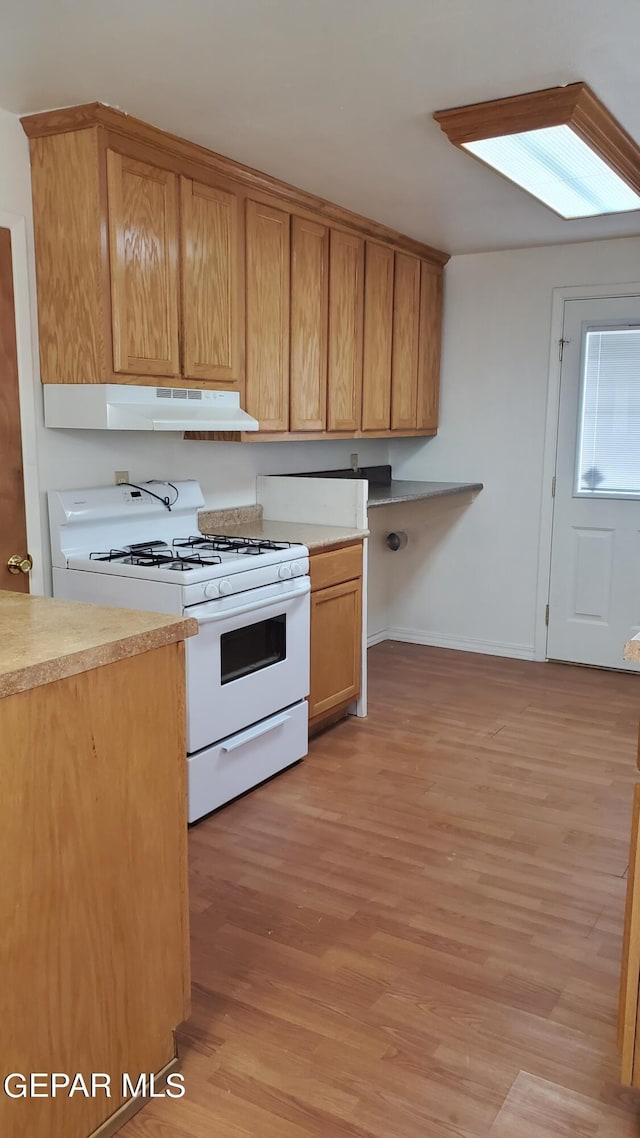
{"x":336,"y":96}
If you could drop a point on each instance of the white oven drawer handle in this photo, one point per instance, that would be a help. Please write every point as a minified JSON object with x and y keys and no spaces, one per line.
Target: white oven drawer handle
{"x":255,"y":732}
{"x":302,"y":586}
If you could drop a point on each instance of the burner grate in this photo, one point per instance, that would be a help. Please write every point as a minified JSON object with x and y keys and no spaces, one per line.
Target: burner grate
{"x":156,"y":554}
{"x":251,"y":546}
{"x":110,"y":555}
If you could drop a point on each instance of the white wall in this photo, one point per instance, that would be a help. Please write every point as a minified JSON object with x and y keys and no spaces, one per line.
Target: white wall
{"x":468,"y":578}
{"x":227,"y":471}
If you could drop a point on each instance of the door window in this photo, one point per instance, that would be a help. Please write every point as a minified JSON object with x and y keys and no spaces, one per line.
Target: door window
{"x":608,"y":452}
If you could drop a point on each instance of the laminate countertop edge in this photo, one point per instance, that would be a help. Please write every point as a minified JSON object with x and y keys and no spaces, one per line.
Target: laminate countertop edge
{"x":44,"y":640}
{"x":632,"y":650}
{"x":400,"y":490}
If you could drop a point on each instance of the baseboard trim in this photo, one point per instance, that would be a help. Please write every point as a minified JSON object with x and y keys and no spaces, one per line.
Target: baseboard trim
{"x":377,"y":637}
{"x":460,"y":643}
{"x":128,"y":1109}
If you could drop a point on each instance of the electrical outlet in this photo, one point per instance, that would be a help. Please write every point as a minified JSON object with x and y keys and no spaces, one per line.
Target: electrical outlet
{"x":121,"y":477}
{"x":354,"y":461}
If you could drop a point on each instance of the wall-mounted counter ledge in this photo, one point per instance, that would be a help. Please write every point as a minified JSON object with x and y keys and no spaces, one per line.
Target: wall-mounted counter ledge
{"x":45,"y":640}
{"x":398,"y":490}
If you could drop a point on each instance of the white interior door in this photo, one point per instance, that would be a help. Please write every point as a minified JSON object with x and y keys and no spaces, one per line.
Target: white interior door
{"x":594,"y":596}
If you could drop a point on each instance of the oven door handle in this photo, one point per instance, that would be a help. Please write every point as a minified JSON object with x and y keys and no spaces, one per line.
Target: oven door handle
{"x":255,"y":732}
{"x":302,"y":587}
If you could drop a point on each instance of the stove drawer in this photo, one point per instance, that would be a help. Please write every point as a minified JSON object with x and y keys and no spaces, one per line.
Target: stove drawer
{"x":221,"y":772}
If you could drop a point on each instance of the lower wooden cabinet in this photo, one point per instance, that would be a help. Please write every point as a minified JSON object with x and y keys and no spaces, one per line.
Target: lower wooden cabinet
{"x":629,"y":1007}
{"x":93,"y":895}
{"x":336,"y":632}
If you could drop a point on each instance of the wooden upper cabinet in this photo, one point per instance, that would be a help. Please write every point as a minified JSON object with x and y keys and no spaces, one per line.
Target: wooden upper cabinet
{"x":378,"y":323}
{"x":210,"y":283}
{"x":161,"y":263}
{"x":73,"y":289}
{"x":143,"y":238}
{"x":406,"y":329}
{"x":429,"y":350}
{"x":309,"y":320}
{"x":346,"y":290}
{"x":267,"y":308}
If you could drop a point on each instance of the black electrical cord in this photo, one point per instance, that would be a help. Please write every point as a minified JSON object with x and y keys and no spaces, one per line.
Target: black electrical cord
{"x":165,"y":501}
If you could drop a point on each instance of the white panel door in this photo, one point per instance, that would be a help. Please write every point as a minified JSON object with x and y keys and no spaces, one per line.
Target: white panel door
{"x":594,"y":595}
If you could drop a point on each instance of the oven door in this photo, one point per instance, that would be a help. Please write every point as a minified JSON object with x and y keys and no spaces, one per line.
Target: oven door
{"x":249,"y":659}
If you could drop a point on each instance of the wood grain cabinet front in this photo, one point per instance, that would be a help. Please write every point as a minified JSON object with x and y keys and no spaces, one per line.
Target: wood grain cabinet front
{"x":160,"y":262}
{"x":336,"y":633}
{"x":143,"y":242}
{"x":93,"y":897}
{"x":211,"y":281}
{"x":428,"y":395}
{"x":406,"y":338}
{"x":629,"y":1003}
{"x":267,"y":377}
{"x":309,"y":324}
{"x":378,"y":331}
{"x":346,"y":295}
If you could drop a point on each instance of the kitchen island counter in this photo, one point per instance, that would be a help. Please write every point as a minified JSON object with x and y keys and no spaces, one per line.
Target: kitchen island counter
{"x":93,"y":818}
{"x":45,"y":640}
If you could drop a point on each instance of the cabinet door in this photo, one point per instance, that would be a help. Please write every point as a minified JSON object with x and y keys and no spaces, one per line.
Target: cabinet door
{"x":406,"y":328}
{"x":210,"y":283}
{"x":429,"y":353}
{"x":335,"y":646}
{"x":309,"y":315}
{"x":267,"y":376}
{"x":630,"y":971}
{"x":143,"y":233}
{"x":378,"y":317}
{"x":345,"y":331}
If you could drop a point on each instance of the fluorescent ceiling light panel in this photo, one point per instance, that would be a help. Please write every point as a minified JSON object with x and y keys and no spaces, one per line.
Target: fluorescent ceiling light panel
{"x":561,"y":145}
{"x":557,"y":167}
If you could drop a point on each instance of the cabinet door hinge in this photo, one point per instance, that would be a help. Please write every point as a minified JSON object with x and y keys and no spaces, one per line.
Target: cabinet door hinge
{"x":546,"y":616}
{"x":553,"y":486}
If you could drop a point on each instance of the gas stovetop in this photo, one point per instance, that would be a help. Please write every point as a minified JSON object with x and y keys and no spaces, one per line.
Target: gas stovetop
{"x":129,"y":532}
{"x":188,"y":553}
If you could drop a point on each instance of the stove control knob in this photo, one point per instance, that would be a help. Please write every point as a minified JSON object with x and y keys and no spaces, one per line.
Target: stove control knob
{"x":211,"y":590}
{"x":296,"y":569}
{"x":224,"y":586}
{"x":284,"y":571}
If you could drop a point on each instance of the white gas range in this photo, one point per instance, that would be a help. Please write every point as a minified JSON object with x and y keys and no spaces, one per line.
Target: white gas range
{"x":247,"y":669}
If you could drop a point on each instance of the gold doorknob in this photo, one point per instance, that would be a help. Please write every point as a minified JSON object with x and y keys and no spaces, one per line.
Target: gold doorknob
{"x":19,"y":564}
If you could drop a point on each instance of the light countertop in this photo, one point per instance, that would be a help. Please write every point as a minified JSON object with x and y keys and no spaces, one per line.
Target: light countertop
{"x":44,"y":639}
{"x":248,"y":522}
{"x":632,"y":650}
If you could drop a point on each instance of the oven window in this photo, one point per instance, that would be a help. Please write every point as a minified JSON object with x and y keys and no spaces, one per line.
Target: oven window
{"x":256,"y":646}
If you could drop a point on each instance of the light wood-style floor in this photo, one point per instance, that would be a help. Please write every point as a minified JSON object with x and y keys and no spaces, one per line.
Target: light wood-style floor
{"x":416,"y":933}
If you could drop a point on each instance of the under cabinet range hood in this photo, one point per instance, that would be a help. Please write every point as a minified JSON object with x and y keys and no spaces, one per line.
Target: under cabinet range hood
{"x":124,"y":407}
